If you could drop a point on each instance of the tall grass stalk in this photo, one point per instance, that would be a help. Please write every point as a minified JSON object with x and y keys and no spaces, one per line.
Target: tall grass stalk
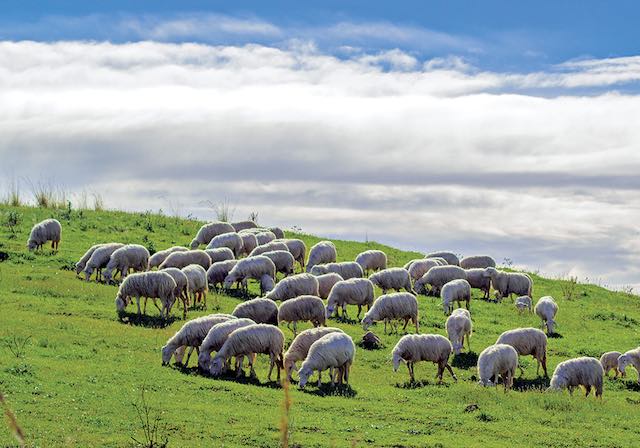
{"x":12,"y":422}
{"x":284,"y":416}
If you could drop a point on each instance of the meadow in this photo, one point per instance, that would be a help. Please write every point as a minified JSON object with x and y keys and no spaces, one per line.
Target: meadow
{"x":73,"y":374}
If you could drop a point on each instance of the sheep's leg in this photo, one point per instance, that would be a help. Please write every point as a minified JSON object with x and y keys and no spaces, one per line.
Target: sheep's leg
{"x":271,"y":363}
{"x":138,"y":303}
{"x":189,"y":356}
{"x":359,"y":310}
{"x":295,"y":328}
{"x":385,"y":326}
{"x":144,"y":306}
{"x":451,"y":371}
{"x":319,"y":378}
{"x":544,"y":366}
{"x":411,"y":373}
{"x":587,"y":390}
{"x":570,"y":390}
{"x":440,"y":372}
{"x":347,"y":367}
{"x":417,"y":324}
{"x":468,"y":341}
{"x":406,"y":322}
{"x":521,"y":369}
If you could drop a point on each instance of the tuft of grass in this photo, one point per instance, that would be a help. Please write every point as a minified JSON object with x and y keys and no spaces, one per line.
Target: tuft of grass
{"x":569,"y":287}
{"x":98,"y":202}
{"x":12,"y":219}
{"x":17,"y":345}
{"x":13,"y":197}
{"x":223,"y":210}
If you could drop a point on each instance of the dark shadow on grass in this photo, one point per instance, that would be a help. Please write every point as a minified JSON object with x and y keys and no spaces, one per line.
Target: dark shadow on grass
{"x":555,"y":336}
{"x":145,"y":320}
{"x":632,"y":386}
{"x":327,"y":390}
{"x":539,"y":384}
{"x":420,"y":384}
{"x":230,"y":375}
{"x":465,"y":361}
{"x":345,"y":320}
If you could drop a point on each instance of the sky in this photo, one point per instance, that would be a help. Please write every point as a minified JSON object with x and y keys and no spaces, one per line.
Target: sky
{"x":476,"y":127}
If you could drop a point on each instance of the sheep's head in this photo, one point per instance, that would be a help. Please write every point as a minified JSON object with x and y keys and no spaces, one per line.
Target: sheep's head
{"x":217,"y":366}
{"x":486,"y":382}
{"x":121,"y":304}
{"x":419,"y":287}
{"x":289,"y":366}
{"x":31,"y":244}
{"x":266,"y":283}
{"x":397,"y":360}
{"x":367,"y":321}
{"x":304,"y":375}
{"x":107,"y":274}
{"x":557,"y":382}
{"x":78,"y":268}
{"x":330,"y":309}
{"x":551,"y":326}
{"x":623,"y":362}
{"x":229,"y":281}
{"x":167,"y":353}
{"x":194,"y":244}
{"x":204,"y":361}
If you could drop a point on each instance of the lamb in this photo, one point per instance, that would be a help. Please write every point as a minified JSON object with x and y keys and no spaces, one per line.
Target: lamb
{"x":181,"y":259}
{"x":191,"y":335}
{"x":156,"y":259}
{"x":299,"y":348}
{"x":131,"y":256}
{"x":413,"y":348}
{"x":250,"y":268}
{"x":374,"y":260}
{"x":265,"y":237}
{"x":528,"y":341}
{"x":156,"y":285}
{"x":218,"y":272}
{"x":277,"y":231}
{"x":326,"y":282}
{"x":294,"y":286}
{"x":546,"y":309}
{"x":609,"y":361}
{"x":355,"y":291}
{"x":248,"y":341}
{"x":346,"y":269}
{"x":331,"y":351}
{"x":392,"y":278}
{"x":208,"y":231}
{"x":388,"y":307}
{"x":216,"y":337}
{"x":507,"y":283}
{"x":230,"y":240}
{"x":320,"y":253}
{"x":249,"y":242}
{"x":458,"y":326}
{"x":455,"y":291}
{"x":283,"y":260}
{"x":99,"y":259}
{"x":297,"y":248}
{"x":585,"y":371}
{"x":244,"y":225}
{"x":47,"y":230}
{"x":420,"y":267}
{"x":450,"y":257}
{"x":498,"y":359}
{"x":220,"y":254}
{"x":182,"y":283}
{"x":477,"y":262}
{"x":269,"y":247}
{"x":302,"y":308}
{"x":198,"y":284}
{"x":524,"y":303}
{"x":478,"y":280}
{"x":437,"y":277}
{"x":631,"y":357}
{"x":80,"y":265}
{"x":260,"y":310}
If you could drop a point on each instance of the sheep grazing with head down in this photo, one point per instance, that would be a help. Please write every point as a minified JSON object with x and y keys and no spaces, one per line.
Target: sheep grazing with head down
{"x":392,"y":278}
{"x":437,"y":277}
{"x":477,"y":262}
{"x":218,"y":272}
{"x":259,"y":310}
{"x":507,"y":283}
{"x":546,"y":309}
{"x":153,"y":285}
{"x":497,"y":360}
{"x":216,"y":337}
{"x":267,"y":284}
{"x":249,"y":242}
{"x":277,"y":231}
{"x":528,"y":341}
{"x":299,"y":348}
{"x":524,"y":303}
{"x":269,"y":247}
{"x":609,"y":361}
{"x":458,"y":326}
{"x":294,"y":286}
{"x":99,"y":260}
{"x":372,"y":260}
{"x":346,"y":269}
{"x":131,"y":256}
{"x":265,"y":237}
{"x":297,"y":248}
{"x":198,"y":284}
{"x":230,"y":240}
{"x":455,"y":291}
{"x":209,"y":231}
{"x":420,"y":267}
{"x":631,"y":357}
{"x":244,"y":225}
{"x":413,"y":348}
{"x":333,"y":351}
{"x":249,"y":341}
{"x":182,"y":284}
{"x":355,"y":291}
{"x":391,"y":307}
{"x":321,"y":253}
{"x":326,"y":282}
{"x":250,"y":268}
{"x":181,"y":259}
{"x":47,"y":230}
{"x":478,"y":280}
{"x":450,"y":257}
{"x":158,"y":258}
{"x":585,"y":371}
{"x":302,"y":309}
{"x":283,"y":260}
{"x":191,"y":335}
{"x":220,"y":254}
{"x":80,"y":265}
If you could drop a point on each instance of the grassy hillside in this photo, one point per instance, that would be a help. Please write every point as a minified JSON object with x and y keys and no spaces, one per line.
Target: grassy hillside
{"x":82,"y":371}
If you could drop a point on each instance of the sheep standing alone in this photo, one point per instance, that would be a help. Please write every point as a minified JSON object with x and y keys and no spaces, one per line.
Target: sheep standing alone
{"x":269,"y":247}
{"x":372,"y":260}
{"x":524,"y":303}
{"x":244,"y":225}
{"x":458,"y":326}
{"x":609,"y":361}
{"x":158,"y":258}
{"x":478,"y":280}
{"x":346,"y":269}
{"x":131,"y":256}
{"x":218,"y":272}
{"x":546,"y":309}
{"x":437,"y":277}
{"x":182,"y":283}
{"x":631,"y":357}
{"x":389,"y":307}
{"x":326,"y":282}
{"x":507,"y":283}
{"x":155,"y":285}
{"x":528,"y":341}
{"x":298,"y":249}
{"x":259,"y":310}
{"x":216,"y":337}
{"x":220,"y":254}
{"x":299,"y":348}
{"x":301,"y":309}
{"x":249,"y":242}
{"x":477,"y":262}
{"x":209,"y":231}
{"x":413,"y":348}
{"x":331,"y":351}
{"x":392,"y":278}
{"x":47,"y":230}
{"x":497,"y":360}
{"x":584,"y":371}
{"x":420,"y":267}
{"x":250,"y":268}
{"x":450,"y":257}
{"x":355,"y":291}
{"x":229,"y":240}
{"x":99,"y":260}
{"x":283,"y":260}
{"x":294,"y":286}
{"x":80,"y":265}
{"x":198,"y":284}
{"x":181,"y":259}
{"x":320,"y":253}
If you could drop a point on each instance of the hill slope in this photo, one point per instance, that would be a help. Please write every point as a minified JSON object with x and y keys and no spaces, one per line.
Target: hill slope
{"x":82,"y":370}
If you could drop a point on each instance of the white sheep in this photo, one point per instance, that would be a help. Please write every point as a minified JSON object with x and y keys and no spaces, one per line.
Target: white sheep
{"x":392,"y":278}
{"x":260,"y":310}
{"x":218,"y":272}
{"x":182,"y":291}
{"x":631,"y":357}
{"x":585,"y":371}
{"x":269,"y":247}
{"x":130,"y":256}
{"x":528,"y":341}
{"x":507,"y":283}
{"x":155,"y":285}
{"x":546,"y":309}
{"x":277,"y":231}
{"x":297,"y":248}
{"x":294,"y":286}
{"x":355,"y":291}
{"x":450,"y":257}
{"x":156,"y":259}
{"x":326,"y":282}
{"x":47,"y":230}
{"x":477,"y":262}
{"x":250,"y":268}
{"x":455,"y":291}
{"x":230,"y":240}
{"x":372,"y":260}
{"x":346,"y":269}
{"x":458,"y":326}
{"x":299,"y":348}
{"x":220,"y":254}
{"x":413,"y":348}
{"x":332,"y":351}
{"x":478,"y":280}
{"x":249,"y":242}
{"x":208,"y":231}
{"x":265,"y":237}
{"x":320,"y":253}
{"x":389,"y":307}
{"x":216,"y":337}
{"x":244,"y":225}
{"x":418,"y":268}
{"x":497,"y":360}
{"x":437,"y":277}
{"x":300,"y":309}
{"x":80,"y":265}
{"x":182,"y":259}
{"x":609,"y":361}
{"x":283,"y":260}
{"x":99,"y":260}
{"x":198,"y":284}
{"x":524,"y":303}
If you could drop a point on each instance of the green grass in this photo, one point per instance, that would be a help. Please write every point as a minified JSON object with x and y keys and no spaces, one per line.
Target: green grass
{"x":82,"y":370}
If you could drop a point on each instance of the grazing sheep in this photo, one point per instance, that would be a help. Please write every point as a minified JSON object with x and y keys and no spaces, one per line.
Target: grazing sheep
{"x":220,"y":254}
{"x":218,"y":272}
{"x":420,"y":267}
{"x":528,"y":341}
{"x":131,"y":256}
{"x":265,"y":237}
{"x":230,"y":240}
{"x":346,"y":269}
{"x":99,"y":260}
{"x":546,"y":309}
{"x":320,"y":253}
{"x":413,"y":348}
{"x":283,"y":260}
{"x":154,"y":285}
{"x":182,"y":284}
{"x":478,"y":280}
{"x":437,"y":277}
{"x":326,"y":282}
{"x":301,"y":309}
{"x":631,"y":357}
{"x":209,"y":231}
{"x":250,"y":268}
{"x":249,"y":341}
{"x":80,"y":265}
{"x":47,"y":230}
{"x":355,"y":291}
{"x":254,"y":230}
{"x":455,"y":291}
{"x":477,"y":262}
{"x":372,"y":260}
{"x":244,"y":225}
{"x":524,"y":303}
{"x":497,"y":360}
{"x":191,"y":335}
{"x":585,"y":371}
{"x":458,"y":326}
{"x":389,"y":307}
{"x":299,"y":348}
{"x":249,"y":242}
{"x":507,"y":283}
{"x":156,"y":259}
{"x":331,"y":351}
{"x":216,"y":337}
{"x":182,"y":259}
{"x":198,"y":284}
{"x":297,"y":248}
{"x":277,"y":231}
{"x":450,"y":257}
{"x":294,"y":286}
{"x":269,"y":247}
{"x":260,"y":310}
{"x":609,"y":361}
{"x":392,"y":278}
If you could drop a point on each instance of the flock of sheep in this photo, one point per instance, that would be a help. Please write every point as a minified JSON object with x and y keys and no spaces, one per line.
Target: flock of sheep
{"x":320,"y":291}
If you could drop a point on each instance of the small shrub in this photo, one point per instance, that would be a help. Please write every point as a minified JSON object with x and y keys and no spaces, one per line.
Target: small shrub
{"x":148,"y":243}
{"x":11,"y":221}
{"x":17,"y":345}
{"x":223,"y":210}
{"x":98,"y":202}
{"x":253,"y":216}
{"x":569,"y":287}
{"x":154,"y":430}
